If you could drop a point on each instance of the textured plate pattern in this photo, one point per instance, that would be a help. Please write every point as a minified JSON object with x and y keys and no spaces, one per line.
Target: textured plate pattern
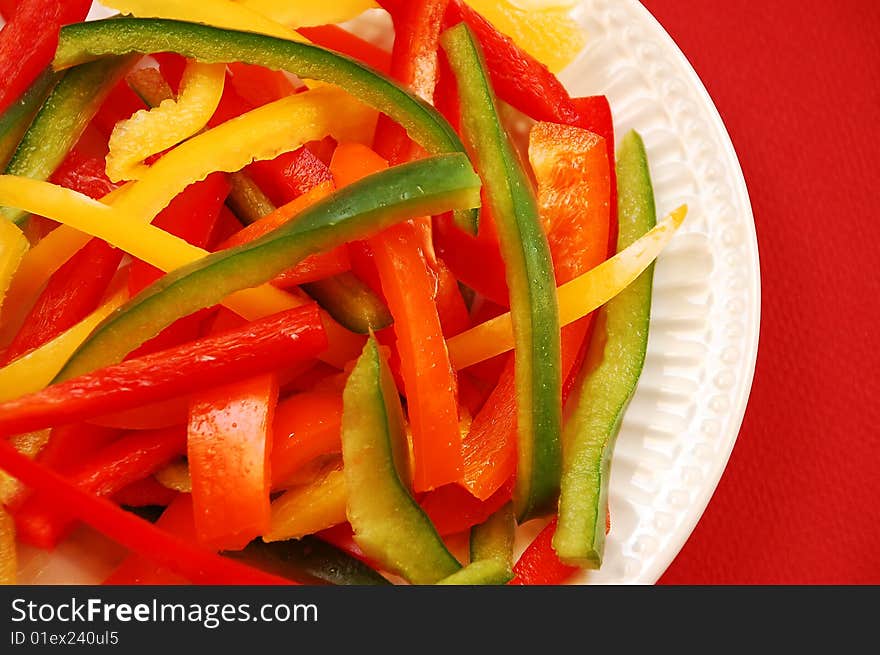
{"x":683,"y":422}
{"x":681,"y":426}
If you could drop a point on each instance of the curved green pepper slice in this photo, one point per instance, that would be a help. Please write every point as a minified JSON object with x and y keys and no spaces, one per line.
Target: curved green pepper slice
{"x":530,"y":278}
{"x":84,"y":42}
{"x":614,"y":365}
{"x":491,"y":549}
{"x":389,"y":526}
{"x":60,"y":122}
{"x":428,"y":186}
{"x":15,"y":121}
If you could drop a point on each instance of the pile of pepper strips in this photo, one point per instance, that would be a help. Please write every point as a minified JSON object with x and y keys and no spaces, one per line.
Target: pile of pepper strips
{"x":118,"y":429}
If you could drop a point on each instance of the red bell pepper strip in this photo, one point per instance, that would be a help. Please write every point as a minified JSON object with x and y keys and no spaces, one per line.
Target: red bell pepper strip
{"x":307,"y":425}
{"x":538,"y":565}
{"x":43,"y":520}
{"x":342,"y":41}
{"x":518,"y":78}
{"x":72,"y":293}
{"x":69,"y":446}
{"x":228,"y":448}
{"x":259,"y":86}
{"x":153,"y":416}
{"x":453,"y":510}
{"x":29,"y":39}
{"x":451,"y":308}
{"x":7,"y":8}
{"x":290,"y":175}
{"x":176,"y":520}
{"x":144,"y":493}
{"x":262,"y":346}
{"x":428,"y":379}
{"x":139,"y":536}
{"x":417,"y":27}
{"x":119,"y":105}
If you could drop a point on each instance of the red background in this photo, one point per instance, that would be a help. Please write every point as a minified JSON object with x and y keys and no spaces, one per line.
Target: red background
{"x":797,"y":83}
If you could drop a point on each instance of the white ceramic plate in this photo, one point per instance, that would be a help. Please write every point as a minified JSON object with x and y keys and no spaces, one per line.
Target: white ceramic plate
{"x":681,"y":426}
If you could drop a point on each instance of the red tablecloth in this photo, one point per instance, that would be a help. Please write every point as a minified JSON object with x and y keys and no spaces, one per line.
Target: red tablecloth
{"x":798,"y":85}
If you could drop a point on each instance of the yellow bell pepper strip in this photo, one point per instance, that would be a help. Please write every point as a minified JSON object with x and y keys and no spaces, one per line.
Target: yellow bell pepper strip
{"x":530,"y":279}
{"x":261,"y":134}
{"x":389,"y":526}
{"x":218,"y":13}
{"x":308,"y":508}
{"x":8,"y":549}
{"x":88,"y":41}
{"x":308,"y":13}
{"x":577,"y":298}
{"x":37,"y":368}
{"x":13,"y":246}
{"x":549,"y":34}
{"x":15,"y":121}
{"x":61,"y":121}
{"x":149,"y":132}
{"x":428,"y":186}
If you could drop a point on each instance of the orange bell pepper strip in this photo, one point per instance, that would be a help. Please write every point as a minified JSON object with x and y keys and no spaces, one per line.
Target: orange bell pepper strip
{"x":228,"y":448}
{"x":428,"y":379}
{"x":307,"y":425}
{"x":140,"y":536}
{"x":43,"y":521}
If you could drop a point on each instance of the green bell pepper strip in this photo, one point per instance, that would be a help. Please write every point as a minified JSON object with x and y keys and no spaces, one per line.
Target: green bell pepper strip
{"x":428,"y":186}
{"x":15,"y":121}
{"x":83,"y":42}
{"x":309,"y":561}
{"x":61,"y":121}
{"x":351,"y":302}
{"x":491,"y":552}
{"x":614,"y":363}
{"x":389,"y":526}
{"x":526,"y":253}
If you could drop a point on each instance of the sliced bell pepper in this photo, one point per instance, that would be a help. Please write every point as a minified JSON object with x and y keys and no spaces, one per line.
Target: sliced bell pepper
{"x":438,"y":183}
{"x":307,"y":425}
{"x":42,"y":521}
{"x":71,"y":294}
{"x":491,"y":551}
{"x":144,"y":493}
{"x":121,"y":103}
{"x":149,"y":132}
{"x":344,"y":42}
{"x":29,"y":444}
{"x":350,"y":301}
{"x":290,"y":175}
{"x":307,"y":12}
{"x":228,"y":449}
{"x":14,"y":122}
{"x":453,"y":509}
{"x":451,"y":307}
{"x":529,"y":268}
{"x":311,"y":561}
{"x":428,"y":379}
{"x":388,"y":524}
{"x":424,"y":124}
{"x":309,"y":508}
{"x":152,"y":416}
{"x":518,"y":78}
{"x":615,"y":363}
{"x":34,"y":370}
{"x":258,"y":85}
{"x":247,"y":200}
{"x":259,"y":347}
{"x":550,"y":35}
{"x":138,"y":535}
{"x":218,"y":13}
{"x":577,"y":298}
{"x":539,"y":565}
{"x":61,"y":121}
{"x":13,"y":246}
{"x":8,"y":549}
{"x":417,"y":28}
{"x":28,"y":41}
